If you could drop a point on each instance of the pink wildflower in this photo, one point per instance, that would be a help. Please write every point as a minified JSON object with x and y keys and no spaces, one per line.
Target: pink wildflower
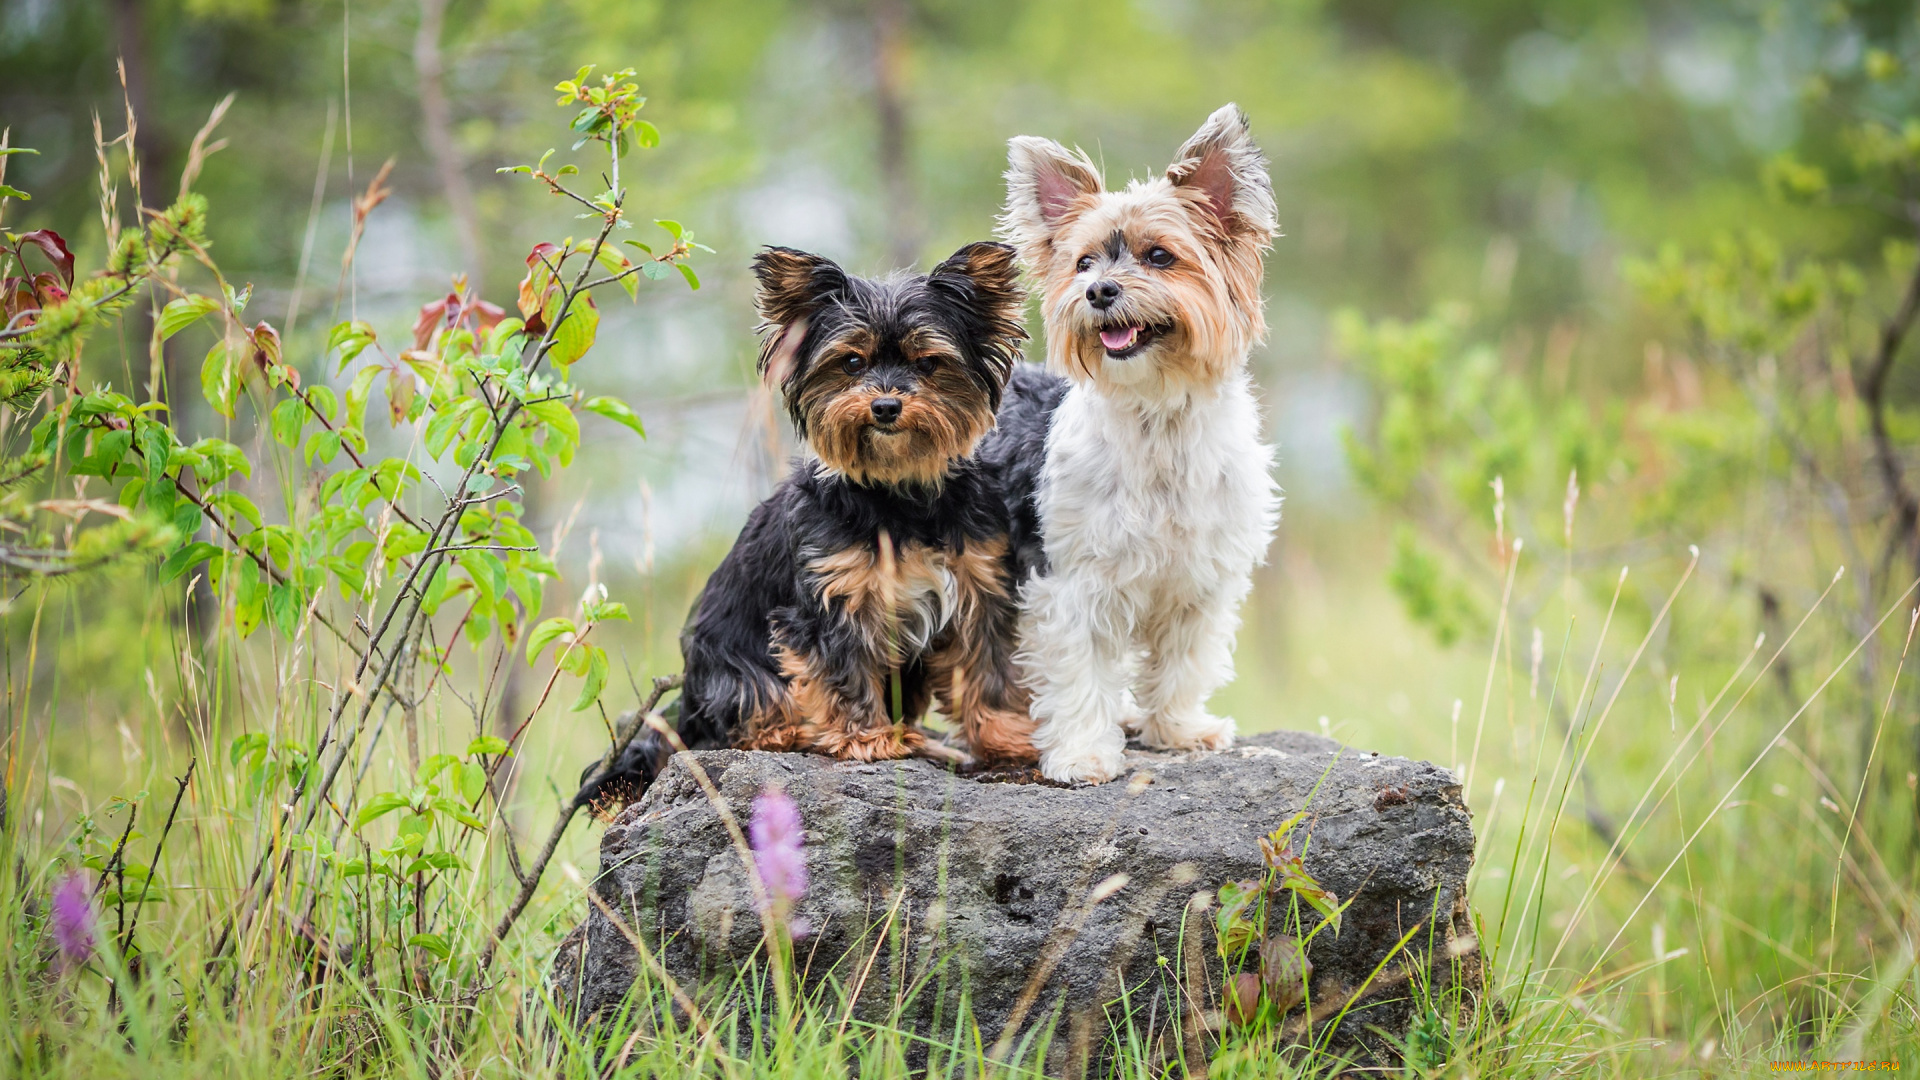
{"x":72,"y":920}
{"x":778,"y":851}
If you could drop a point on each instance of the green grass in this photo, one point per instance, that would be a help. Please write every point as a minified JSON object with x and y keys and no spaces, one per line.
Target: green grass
{"x":1724,"y":929}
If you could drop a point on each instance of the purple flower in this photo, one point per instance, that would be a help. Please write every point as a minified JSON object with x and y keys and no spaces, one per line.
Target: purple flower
{"x":72,"y":920}
{"x":778,"y":851}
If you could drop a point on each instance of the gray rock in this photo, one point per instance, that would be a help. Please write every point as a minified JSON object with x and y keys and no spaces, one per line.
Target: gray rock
{"x":988,"y":880}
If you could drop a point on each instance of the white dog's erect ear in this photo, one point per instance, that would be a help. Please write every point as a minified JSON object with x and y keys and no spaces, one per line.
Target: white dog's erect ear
{"x":1222,"y":163}
{"x":1045,"y":181}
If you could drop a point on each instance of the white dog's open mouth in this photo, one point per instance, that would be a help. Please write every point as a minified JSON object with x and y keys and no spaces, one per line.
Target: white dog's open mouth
{"x":1128,"y":339}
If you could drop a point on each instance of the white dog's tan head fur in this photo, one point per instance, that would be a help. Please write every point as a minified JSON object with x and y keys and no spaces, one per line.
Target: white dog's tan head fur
{"x":1155,"y":289}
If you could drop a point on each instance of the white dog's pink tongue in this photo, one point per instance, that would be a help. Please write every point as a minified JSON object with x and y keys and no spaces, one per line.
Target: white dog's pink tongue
{"x":1117,"y":339}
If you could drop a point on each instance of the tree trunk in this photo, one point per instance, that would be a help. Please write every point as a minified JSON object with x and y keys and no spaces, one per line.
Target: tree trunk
{"x":437,"y":123}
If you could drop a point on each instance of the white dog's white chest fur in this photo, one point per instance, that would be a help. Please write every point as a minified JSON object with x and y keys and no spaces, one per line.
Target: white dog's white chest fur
{"x":1153,"y":522}
{"x":1159,"y":505}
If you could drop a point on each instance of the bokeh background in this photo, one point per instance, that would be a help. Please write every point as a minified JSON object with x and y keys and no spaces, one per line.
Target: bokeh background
{"x":1518,"y":166}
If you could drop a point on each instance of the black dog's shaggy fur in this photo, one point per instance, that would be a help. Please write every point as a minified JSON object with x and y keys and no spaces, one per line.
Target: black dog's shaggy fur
{"x":1013,"y":454}
{"x":876,"y":579}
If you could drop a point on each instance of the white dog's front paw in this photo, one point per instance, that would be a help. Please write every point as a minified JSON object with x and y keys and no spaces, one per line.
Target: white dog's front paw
{"x":1197,"y":731}
{"x":1086,"y":761}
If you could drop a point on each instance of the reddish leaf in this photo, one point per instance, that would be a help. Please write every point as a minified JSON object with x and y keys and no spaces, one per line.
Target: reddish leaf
{"x":55,"y":248}
{"x":16,"y":293}
{"x":1242,"y":994}
{"x":400,"y":391}
{"x":266,"y":345}
{"x":489,"y":314}
{"x":47,"y":288}
{"x":267,"y":353}
{"x":538,"y":283}
{"x":432,"y":315}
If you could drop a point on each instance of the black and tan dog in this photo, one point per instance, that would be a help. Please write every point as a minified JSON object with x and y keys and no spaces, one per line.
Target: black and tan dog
{"x":875,"y":580}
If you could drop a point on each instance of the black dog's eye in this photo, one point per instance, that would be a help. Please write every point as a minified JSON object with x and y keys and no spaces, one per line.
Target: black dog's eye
{"x":854,"y":365}
{"x":1160,"y":257}
{"x":1085,"y":264}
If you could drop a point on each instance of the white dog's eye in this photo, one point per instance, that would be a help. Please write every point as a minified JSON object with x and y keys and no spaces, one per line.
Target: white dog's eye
{"x":1085,"y":264}
{"x":1160,"y":257}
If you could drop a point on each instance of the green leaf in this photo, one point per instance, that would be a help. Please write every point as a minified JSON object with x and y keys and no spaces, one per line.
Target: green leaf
{"x":415,"y":827}
{"x":608,"y":611}
{"x":649,"y":135}
{"x":441,"y":429}
{"x":434,"y":765}
{"x":288,"y":418}
{"x":156,"y":445}
{"x":596,"y":678}
{"x":563,"y":428}
{"x":617,"y":411}
{"x":575,"y":334}
{"x":222,"y":460}
{"x":386,"y":802}
{"x":217,"y":382}
{"x":403,"y":540}
{"x":693,"y":279}
{"x":9,"y":192}
{"x":1234,"y":925}
{"x":1304,"y":886}
{"x":616,"y":263}
{"x":252,"y":743}
{"x":182,"y":313}
{"x":323,"y":446}
{"x":285,"y":605}
{"x":487,"y":744}
{"x":458,"y":813}
{"x":234,"y":505}
{"x":672,"y":227}
{"x":351,"y":338}
{"x":544,"y":635}
{"x":436,"y":860}
{"x":473,"y":781}
{"x":323,"y":400}
{"x":186,"y":559}
{"x":501,"y":335}
{"x":432,"y":943}
{"x":358,"y":392}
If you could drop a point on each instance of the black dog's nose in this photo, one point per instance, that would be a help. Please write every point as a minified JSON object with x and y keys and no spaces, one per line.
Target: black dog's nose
{"x":885,"y":409}
{"x":1101,"y":294}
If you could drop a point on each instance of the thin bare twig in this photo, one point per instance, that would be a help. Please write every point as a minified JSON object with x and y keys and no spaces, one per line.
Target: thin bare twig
{"x":531,"y":880}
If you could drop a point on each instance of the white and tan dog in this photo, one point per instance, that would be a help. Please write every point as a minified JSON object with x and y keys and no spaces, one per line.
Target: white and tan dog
{"x":1154,"y":499}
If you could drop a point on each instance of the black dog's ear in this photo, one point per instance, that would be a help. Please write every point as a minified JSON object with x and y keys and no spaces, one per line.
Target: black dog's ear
{"x":794,"y":284}
{"x":985,"y":275}
{"x":984,"y":279}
